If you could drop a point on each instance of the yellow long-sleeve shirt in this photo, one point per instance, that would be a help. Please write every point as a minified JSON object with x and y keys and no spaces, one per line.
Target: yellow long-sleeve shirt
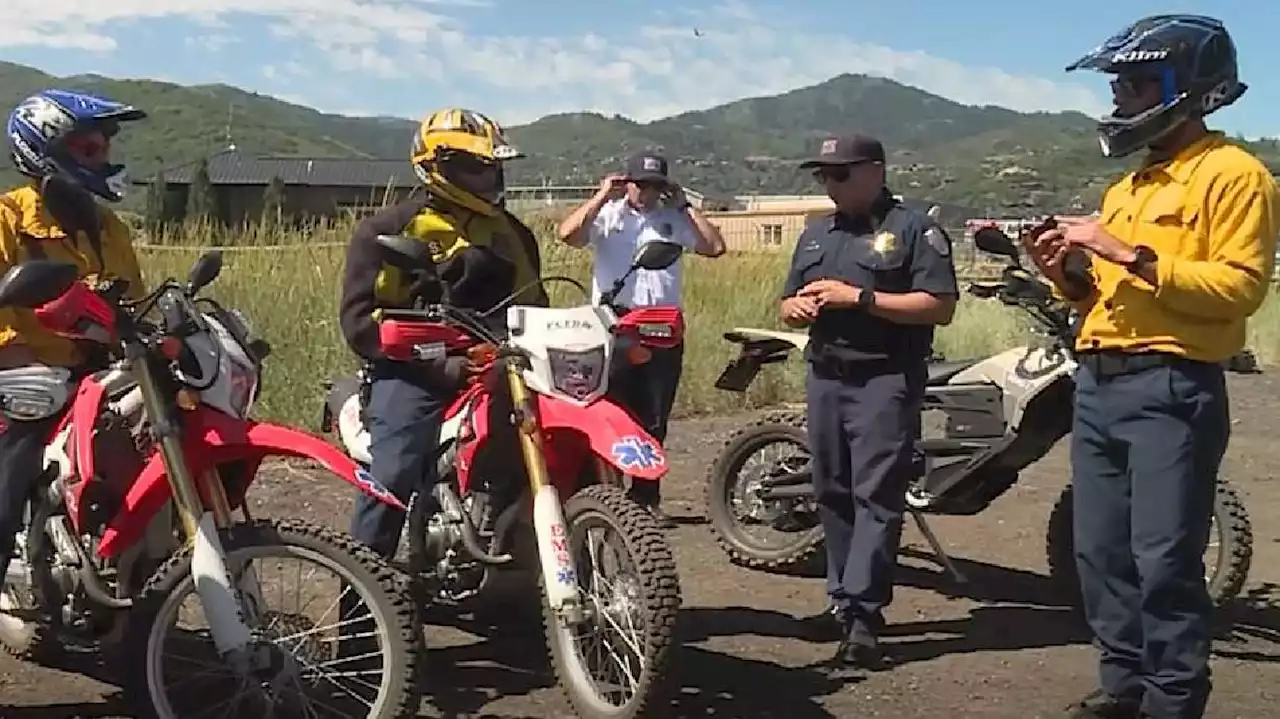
{"x":27,"y":232}
{"x":1209,"y":213}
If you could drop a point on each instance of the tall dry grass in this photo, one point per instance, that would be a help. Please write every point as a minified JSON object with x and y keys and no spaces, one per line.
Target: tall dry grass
{"x":287,"y":283}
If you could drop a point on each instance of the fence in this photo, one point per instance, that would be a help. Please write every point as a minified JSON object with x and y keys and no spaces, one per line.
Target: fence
{"x":970,"y":265}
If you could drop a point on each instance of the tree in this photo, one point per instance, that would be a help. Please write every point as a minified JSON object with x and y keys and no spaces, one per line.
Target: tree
{"x":273,"y":201}
{"x":155,"y":213}
{"x":200,"y":198}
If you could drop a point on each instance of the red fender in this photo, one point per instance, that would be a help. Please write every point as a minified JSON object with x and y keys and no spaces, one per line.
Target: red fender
{"x":213,"y":438}
{"x":569,"y":432}
{"x":611,"y":433}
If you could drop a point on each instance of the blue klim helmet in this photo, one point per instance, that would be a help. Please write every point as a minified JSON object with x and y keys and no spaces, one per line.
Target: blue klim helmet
{"x":38,"y":127}
{"x":1192,"y":57}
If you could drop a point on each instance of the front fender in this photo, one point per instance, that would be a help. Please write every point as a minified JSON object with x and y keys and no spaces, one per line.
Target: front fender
{"x":611,"y":432}
{"x":212,"y":439}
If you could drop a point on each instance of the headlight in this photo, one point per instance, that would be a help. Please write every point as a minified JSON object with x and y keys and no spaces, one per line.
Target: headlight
{"x":577,"y":373}
{"x":243,"y":383}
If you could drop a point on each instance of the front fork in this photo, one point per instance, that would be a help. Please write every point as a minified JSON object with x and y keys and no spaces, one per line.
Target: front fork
{"x":200,"y":525}
{"x":559,"y":575}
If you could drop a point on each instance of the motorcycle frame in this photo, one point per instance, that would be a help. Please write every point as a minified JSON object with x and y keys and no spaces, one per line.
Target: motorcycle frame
{"x":555,"y":438}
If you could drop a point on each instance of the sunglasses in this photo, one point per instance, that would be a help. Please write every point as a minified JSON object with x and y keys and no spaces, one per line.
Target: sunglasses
{"x":88,"y":146}
{"x":835,"y":173}
{"x":468,"y":164}
{"x":1133,"y":85}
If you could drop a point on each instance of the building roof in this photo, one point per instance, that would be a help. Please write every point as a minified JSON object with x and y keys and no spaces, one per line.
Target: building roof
{"x":230,"y":167}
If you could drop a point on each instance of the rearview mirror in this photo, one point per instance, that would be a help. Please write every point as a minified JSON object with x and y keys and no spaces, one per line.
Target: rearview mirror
{"x":36,"y":282}
{"x":205,"y":270}
{"x":657,"y":255}
{"x":406,"y":252}
{"x":993,"y":241}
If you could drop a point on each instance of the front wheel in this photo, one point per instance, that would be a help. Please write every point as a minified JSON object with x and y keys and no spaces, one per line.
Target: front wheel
{"x":1227,"y":558}
{"x":613,"y":663}
{"x":298,"y":666}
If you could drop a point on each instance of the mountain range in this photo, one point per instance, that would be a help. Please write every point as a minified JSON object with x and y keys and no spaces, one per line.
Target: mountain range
{"x":988,"y":157}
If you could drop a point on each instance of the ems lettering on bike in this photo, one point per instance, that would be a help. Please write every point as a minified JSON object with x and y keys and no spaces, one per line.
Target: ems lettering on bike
{"x":560,"y":545}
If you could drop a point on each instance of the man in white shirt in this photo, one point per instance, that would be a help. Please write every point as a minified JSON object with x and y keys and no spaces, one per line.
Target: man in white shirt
{"x":630,"y":209}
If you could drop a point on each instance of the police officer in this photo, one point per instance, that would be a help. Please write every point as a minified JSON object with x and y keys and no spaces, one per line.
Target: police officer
{"x":1180,"y":256}
{"x":871,"y":280}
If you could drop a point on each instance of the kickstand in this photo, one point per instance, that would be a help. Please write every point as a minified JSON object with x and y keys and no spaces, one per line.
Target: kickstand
{"x":937,"y":547}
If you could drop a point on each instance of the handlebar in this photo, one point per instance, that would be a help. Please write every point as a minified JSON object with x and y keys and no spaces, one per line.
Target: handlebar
{"x":1018,"y":288}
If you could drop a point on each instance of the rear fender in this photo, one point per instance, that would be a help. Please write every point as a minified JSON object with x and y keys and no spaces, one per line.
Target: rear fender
{"x":756,"y":348}
{"x":213,"y":439}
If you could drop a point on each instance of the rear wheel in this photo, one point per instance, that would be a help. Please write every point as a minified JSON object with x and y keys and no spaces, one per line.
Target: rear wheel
{"x":790,"y":535}
{"x":1227,"y":558}
{"x":301,"y":669}
{"x":612,"y":665}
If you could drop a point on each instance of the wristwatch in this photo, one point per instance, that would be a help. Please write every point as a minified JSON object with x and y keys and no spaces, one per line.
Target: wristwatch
{"x":866,"y":299}
{"x":1143,"y":256}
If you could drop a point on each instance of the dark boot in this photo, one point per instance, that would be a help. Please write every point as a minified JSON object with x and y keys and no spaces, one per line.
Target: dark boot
{"x":853,"y":660}
{"x":1101,"y":705}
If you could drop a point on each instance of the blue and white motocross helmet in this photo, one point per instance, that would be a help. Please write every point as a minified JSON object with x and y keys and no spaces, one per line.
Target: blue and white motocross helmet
{"x":1191,"y":56}
{"x":38,"y":128}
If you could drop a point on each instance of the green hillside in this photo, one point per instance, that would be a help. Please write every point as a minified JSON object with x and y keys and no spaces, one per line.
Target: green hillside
{"x":986,"y":157}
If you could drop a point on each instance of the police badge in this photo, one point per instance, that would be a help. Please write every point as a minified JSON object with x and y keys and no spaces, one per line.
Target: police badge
{"x":884,"y":243}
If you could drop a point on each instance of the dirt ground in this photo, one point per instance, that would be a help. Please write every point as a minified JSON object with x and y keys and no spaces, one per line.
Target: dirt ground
{"x":1002,"y":646}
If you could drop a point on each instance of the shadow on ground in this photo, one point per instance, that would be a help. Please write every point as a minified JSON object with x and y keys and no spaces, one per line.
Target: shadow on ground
{"x":503,"y":662}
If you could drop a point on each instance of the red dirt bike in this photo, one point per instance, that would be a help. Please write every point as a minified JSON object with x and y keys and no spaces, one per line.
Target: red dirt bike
{"x":534,"y":428}
{"x":163,"y":433}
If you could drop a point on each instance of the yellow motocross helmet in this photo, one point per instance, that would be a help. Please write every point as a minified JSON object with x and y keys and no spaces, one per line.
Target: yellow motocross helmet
{"x":458,"y":155}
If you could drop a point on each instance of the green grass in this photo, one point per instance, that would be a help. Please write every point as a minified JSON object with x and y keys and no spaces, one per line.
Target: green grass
{"x":290,"y":295}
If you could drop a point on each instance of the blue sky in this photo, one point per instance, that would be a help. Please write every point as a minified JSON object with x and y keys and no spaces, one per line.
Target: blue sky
{"x":521,"y":60}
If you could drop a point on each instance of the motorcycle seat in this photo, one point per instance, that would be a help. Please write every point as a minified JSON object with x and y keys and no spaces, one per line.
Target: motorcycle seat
{"x":752,"y":336}
{"x":942,"y":372}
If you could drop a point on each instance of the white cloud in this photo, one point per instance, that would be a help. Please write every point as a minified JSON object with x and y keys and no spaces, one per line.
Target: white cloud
{"x":210,"y":43}
{"x":656,"y":71}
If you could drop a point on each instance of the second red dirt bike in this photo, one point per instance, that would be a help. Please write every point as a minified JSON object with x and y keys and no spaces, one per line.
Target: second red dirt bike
{"x":145,"y":462}
{"x":535,"y":429}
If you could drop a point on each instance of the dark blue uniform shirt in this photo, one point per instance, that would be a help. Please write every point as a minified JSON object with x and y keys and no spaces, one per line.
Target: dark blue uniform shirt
{"x":894,"y":249}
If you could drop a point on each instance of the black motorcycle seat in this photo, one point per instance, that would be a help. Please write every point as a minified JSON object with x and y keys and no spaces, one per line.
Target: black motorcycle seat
{"x":942,"y":372}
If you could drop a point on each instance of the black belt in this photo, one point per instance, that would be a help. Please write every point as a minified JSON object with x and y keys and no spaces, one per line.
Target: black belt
{"x":1113,"y":363}
{"x":828,"y":367}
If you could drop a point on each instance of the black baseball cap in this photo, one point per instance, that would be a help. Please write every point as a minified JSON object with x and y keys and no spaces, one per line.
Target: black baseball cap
{"x":846,"y":150}
{"x":647,"y":167}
